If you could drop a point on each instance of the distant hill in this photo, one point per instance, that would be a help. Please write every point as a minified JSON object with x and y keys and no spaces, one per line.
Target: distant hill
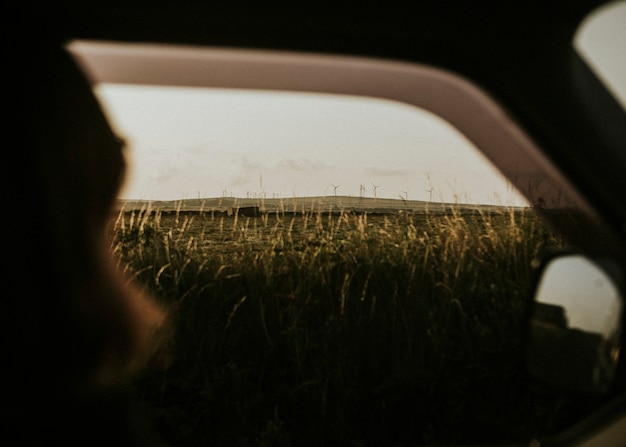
{"x":300,"y":204}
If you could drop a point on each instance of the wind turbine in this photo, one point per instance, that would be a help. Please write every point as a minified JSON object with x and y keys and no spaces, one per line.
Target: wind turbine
{"x":335,"y":188}
{"x":430,"y":194}
{"x":375,"y":187}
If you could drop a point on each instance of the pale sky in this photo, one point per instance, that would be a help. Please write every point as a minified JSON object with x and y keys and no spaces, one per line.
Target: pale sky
{"x":189,"y":142}
{"x":601,"y":41}
{"x":570,"y":282}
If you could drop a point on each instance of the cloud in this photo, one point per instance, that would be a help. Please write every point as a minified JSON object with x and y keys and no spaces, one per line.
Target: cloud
{"x":301,"y":165}
{"x":245,"y":172}
{"x":387,"y":172}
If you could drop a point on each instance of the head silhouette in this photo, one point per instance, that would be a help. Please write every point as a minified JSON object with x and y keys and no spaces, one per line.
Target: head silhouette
{"x":76,"y":330}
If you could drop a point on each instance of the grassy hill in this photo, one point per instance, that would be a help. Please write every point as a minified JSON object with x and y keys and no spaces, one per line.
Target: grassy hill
{"x":301,"y":204}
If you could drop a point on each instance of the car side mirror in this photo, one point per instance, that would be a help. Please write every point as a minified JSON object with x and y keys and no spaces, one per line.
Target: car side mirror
{"x":576,"y":324}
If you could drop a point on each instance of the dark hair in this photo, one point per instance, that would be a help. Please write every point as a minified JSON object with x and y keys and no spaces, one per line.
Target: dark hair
{"x":75,"y":328}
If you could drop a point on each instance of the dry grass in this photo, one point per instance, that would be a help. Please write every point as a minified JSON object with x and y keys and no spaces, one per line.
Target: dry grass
{"x":317,"y":328}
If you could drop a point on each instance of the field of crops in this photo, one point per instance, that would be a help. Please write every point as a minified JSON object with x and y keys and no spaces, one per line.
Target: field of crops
{"x":339,"y":328}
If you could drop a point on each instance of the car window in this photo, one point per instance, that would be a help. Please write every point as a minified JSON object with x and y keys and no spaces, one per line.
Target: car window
{"x":190,"y":143}
{"x":600,"y":41}
{"x":341,"y":268}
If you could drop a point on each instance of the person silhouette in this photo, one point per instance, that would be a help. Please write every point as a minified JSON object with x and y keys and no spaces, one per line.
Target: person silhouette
{"x":75,"y":330}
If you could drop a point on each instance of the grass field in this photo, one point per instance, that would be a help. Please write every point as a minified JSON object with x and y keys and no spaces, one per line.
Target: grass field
{"x":329,"y":327}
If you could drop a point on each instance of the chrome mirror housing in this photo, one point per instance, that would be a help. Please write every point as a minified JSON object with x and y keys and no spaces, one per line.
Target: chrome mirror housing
{"x":576,"y":324}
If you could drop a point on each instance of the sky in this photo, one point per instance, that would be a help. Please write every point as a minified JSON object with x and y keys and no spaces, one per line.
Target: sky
{"x":601,"y":41}
{"x":188,"y":143}
{"x":570,"y":282}
{"x":191,"y":142}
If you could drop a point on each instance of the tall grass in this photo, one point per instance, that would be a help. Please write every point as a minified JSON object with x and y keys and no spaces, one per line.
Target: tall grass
{"x":338,"y":329}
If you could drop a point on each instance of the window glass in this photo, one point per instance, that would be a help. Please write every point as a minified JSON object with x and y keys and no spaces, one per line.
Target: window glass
{"x":341,"y":270}
{"x":600,"y":41}
{"x":189,"y":143}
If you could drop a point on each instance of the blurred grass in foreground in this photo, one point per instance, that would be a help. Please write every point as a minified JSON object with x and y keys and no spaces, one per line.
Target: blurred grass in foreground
{"x":339,"y":329}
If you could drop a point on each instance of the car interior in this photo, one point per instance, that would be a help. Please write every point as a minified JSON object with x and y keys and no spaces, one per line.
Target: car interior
{"x":512,"y":82}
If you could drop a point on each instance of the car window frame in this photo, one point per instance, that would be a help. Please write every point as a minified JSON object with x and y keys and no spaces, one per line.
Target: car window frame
{"x":451,"y":97}
{"x":455,"y":99}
